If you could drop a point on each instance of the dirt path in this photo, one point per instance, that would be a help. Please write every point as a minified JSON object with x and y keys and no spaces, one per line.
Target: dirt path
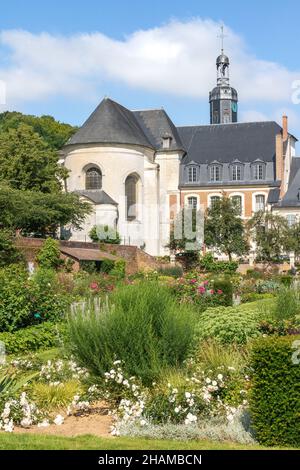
{"x":96,"y":421}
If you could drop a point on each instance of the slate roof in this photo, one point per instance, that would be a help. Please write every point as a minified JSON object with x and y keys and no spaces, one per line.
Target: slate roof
{"x":273,"y":196}
{"x":225,"y":143}
{"x":113,"y":123}
{"x":110,"y":123}
{"x":292,"y":196}
{"x":156,"y":124}
{"x":97,"y":196}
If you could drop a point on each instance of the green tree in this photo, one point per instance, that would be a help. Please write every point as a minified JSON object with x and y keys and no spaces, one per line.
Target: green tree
{"x":9,"y":254}
{"x":38,"y":213}
{"x":49,"y":255}
{"x":27,"y":162}
{"x":53,"y":132}
{"x":271,"y":234}
{"x":224,"y":229}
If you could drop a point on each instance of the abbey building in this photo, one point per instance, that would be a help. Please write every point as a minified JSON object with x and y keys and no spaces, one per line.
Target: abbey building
{"x":137,"y":168}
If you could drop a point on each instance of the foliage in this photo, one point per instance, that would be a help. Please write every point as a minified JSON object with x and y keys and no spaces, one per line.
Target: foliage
{"x":209,"y":264}
{"x":224,"y":228}
{"x":43,"y":336}
{"x":9,"y":254}
{"x":200,"y":292}
{"x":229,"y":324}
{"x":161,"y":331}
{"x":275,"y":398}
{"x":225,"y":286}
{"x":53,"y":396}
{"x":105,"y":234}
{"x":271,"y":234}
{"x":119,"y":269}
{"x":174,"y":271}
{"x":26,"y":301}
{"x":49,"y":255}
{"x":211,"y":355}
{"x":53,"y":132}
{"x":107,"y":265}
{"x":27,"y":162}
{"x":40,"y":214}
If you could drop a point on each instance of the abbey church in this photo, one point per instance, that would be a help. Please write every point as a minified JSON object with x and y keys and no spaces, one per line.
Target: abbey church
{"x":137,"y":168}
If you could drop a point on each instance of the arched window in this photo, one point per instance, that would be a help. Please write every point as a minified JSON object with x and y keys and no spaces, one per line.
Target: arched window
{"x":131,"y":194}
{"x":260,"y":202}
{"x":192,"y":202}
{"x":237,"y":201}
{"x":93,"y":178}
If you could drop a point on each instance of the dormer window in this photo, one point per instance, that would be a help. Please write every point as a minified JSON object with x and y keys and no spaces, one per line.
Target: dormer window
{"x":215,"y":173}
{"x":236,"y":170}
{"x":258,"y":171}
{"x":192,"y":174}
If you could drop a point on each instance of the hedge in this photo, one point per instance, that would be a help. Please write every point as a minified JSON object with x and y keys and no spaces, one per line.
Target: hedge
{"x":275,"y":396}
{"x":43,"y":336}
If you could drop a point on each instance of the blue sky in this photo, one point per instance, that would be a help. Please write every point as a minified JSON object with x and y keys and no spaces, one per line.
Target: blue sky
{"x":148,"y":54}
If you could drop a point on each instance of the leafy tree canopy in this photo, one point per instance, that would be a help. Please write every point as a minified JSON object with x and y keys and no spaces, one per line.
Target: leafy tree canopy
{"x":40,"y":214}
{"x":224,"y":229}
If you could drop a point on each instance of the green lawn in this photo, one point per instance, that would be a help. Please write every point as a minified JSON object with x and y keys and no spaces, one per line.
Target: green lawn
{"x":38,"y":442}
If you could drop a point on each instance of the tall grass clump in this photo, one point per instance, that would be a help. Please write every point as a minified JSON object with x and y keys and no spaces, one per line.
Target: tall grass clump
{"x":142,"y":325}
{"x":287,"y":304}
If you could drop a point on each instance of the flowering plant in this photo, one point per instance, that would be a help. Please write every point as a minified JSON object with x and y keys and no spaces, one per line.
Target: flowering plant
{"x":198,"y":291}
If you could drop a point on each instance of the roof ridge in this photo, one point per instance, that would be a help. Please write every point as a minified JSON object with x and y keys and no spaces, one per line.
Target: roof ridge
{"x":229,"y":124}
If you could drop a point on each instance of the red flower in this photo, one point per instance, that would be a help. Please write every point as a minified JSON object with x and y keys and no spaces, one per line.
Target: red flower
{"x":193,"y":281}
{"x":201,"y":290}
{"x":219,"y":291}
{"x":94,"y":285}
{"x":205,"y":283}
{"x":212,"y":291}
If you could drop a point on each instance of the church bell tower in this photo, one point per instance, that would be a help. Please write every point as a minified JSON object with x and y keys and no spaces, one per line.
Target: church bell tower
{"x":223,"y":98}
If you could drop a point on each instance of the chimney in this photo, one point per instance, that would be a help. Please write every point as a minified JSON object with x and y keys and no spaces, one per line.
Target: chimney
{"x":279,"y":157}
{"x":284,"y":128}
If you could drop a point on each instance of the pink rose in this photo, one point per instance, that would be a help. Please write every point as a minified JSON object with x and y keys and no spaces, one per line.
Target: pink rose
{"x":201,"y":290}
{"x":211,"y":291}
{"x":94,"y":285}
{"x":193,"y":281}
{"x":219,"y":291}
{"x":205,"y":283}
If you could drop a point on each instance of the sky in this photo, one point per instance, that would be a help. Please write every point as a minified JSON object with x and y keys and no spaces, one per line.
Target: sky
{"x":61,"y":57}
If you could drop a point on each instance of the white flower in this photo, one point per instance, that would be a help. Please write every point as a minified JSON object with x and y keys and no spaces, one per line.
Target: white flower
{"x":230,"y":417}
{"x":143,"y":422}
{"x":59,"y":420}
{"x":208,"y":381}
{"x":26,"y":422}
{"x":187,"y":395}
{"x":175,"y":390}
{"x":190,"y":418}
{"x":9,"y":427}
{"x":220,"y":377}
{"x":177,"y":409}
{"x":214,"y":383}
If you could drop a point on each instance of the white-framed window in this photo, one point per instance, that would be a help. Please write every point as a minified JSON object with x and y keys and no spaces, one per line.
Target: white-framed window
{"x":192,"y":174}
{"x":258,"y":171}
{"x":131,"y":194}
{"x":238,"y":202}
{"x":236,"y":172}
{"x":291,"y":219}
{"x":260,"y":202}
{"x":215,"y":173}
{"x":192,"y":202}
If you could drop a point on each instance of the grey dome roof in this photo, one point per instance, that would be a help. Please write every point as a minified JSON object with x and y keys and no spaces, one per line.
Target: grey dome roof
{"x":222,"y":59}
{"x":223,"y":91}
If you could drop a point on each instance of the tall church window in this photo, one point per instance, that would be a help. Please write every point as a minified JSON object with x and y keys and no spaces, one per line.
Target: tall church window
{"x":131,"y":194}
{"x":93,"y":178}
{"x":260,"y":202}
{"x":192,"y":174}
{"x":215,"y":173}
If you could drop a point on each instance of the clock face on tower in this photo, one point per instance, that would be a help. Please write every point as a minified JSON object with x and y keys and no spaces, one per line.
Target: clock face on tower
{"x":234,"y":107}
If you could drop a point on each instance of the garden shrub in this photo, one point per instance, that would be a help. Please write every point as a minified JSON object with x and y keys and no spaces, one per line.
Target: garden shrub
{"x":229,"y":324}
{"x":49,"y":255}
{"x":43,"y":336}
{"x":209,"y":264}
{"x":173,"y":271}
{"x":119,"y":269}
{"x":226,"y":287}
{"x":9,"y":254}
{"x":142,"y":325}
{"x":107,"y":265}
{"x":275,"y":397}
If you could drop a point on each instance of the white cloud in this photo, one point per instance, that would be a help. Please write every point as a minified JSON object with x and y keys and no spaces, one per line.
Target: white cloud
{"x":177,"y":58}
